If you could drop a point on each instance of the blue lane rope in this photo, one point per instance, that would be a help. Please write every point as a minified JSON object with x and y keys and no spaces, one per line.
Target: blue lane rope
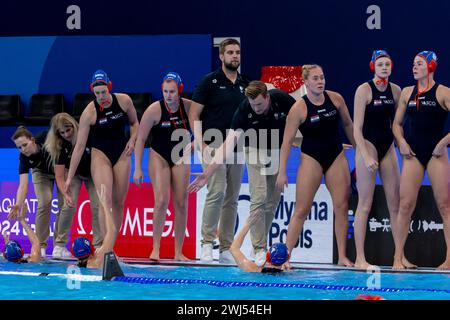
{"x":217,"y":283}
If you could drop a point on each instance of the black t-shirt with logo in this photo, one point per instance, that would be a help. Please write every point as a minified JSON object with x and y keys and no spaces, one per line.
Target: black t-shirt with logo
{"x":40,"y":160}
{"x":220,"y":98}
{"x":275,"y":120}
{"x":84,"y":168}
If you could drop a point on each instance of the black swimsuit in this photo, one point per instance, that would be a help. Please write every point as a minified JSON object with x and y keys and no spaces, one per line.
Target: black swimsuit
{"x":108,"y":132}
{"x":320,"y":132}
{"x":424,"y":124}
{"x":161,"y":134}
{"x":378,"y":119}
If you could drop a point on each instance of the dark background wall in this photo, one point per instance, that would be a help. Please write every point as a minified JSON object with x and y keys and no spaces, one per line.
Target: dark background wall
{"x":339,"y":35}
{"x":332,"y":33}
{"x":65,"y":64}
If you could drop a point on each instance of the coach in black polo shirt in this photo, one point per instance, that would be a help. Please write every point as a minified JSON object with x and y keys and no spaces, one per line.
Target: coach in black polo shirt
{"x":263,"y":111}
{"x":259,"y":122}
{"x":215,"y":100}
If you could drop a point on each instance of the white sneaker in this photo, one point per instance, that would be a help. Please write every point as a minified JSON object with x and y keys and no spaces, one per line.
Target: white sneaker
{"x":252,"y":253}
{"x":260,"y":257}
{"x":207,"y":252}
{"x":216,"y":244}
{"x":65,"y":254}
{"x":56,"y":254}
{"x":43,"y":252}
{"x":226,"y":257}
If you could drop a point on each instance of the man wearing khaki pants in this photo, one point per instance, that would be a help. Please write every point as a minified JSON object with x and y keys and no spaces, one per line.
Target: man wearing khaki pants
{"x":260,"y":119}
{"x":214,"y":102}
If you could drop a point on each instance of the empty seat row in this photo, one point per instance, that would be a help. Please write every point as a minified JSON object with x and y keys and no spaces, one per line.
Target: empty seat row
{"x":42,"y":107}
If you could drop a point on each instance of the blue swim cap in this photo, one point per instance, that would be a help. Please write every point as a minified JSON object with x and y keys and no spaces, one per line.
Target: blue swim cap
{"x":278,"y":254}
{"x":13,"y":251}
{"x":175,"y":77}
{"x":375,"y":56}
{"x":81,"y":248}
{"x":431,"y":59}
{"x":378,"y":54}
{"x":100,"y":77}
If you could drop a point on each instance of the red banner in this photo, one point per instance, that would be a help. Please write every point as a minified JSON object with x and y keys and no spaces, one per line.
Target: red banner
{"x":285,"y":78}
{"x":136,"y":234}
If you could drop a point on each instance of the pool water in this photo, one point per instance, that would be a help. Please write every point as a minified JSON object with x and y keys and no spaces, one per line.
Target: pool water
{"x":17,"y":286}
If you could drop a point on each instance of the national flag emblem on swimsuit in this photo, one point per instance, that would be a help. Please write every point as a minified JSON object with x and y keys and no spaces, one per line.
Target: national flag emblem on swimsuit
{"x":411,"y":104}
{"x":377,"y":103}
{"x":103,"y":121}
{"x":315,"y":118}
{"x":165,"y":124}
